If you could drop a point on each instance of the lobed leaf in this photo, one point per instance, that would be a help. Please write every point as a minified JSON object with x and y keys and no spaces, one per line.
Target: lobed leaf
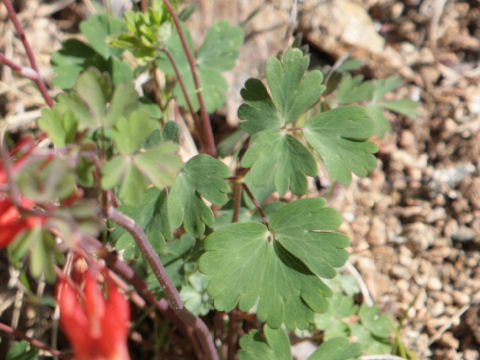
{"x":285,"y":287}
{"x":273,"y":345}
{"x":274,"y":154}
{"x":202,"y":176}
{"x":340,"y":137}
{"x":337,"y":348}
{"x":293,"y":91}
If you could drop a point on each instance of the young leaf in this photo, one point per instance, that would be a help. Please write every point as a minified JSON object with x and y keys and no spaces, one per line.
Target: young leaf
{"x":22,"y":350}
{"x":293,"y":92}
{"x":380,"y":122}
{"x":337,"y":349}
{"x":340,"y":136}
{"x":202,"y":176}
{"x":218,"y":53}
{"x":405,"y":107}
{"x":273,"y":153}
{"x":97,"y":28}
{"x":151,"y":216}
{"x":129,"y":134}
{"x":383,"y":86}
{"x":378,"y":325}
{"x":285,"y":287}
{"x":274,"y":345}
{"x":59,"y":123}
{"x":157,"y":165}
{"x":354,"y":89}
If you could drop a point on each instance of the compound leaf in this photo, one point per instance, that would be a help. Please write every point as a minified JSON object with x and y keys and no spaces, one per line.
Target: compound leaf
{"x":274,"y":153}
{"x":202,"y":176}
{"x":378,"y":325}
{"x":97,"y":28}
{"x":305,"y":229}
{"x":383,"y":86}
{"x":59,"y":123}
{"x":340,"y":136}
{"x":273,"y":345}
{"x":130,"y":133}
{"x":354,"y":89}
{"x":337,"y":348}
{"x":157,"y":165}
{"x":381,"y":123}
{"x":285,"y":287}
{"x":218,"y":53}
{"x":293,"y":92}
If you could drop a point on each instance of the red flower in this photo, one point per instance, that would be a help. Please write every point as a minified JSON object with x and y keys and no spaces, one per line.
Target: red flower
{"x":96,"y":326}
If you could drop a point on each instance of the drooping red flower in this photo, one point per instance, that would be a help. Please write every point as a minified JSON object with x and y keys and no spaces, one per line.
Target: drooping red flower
{"x":95,"y":323}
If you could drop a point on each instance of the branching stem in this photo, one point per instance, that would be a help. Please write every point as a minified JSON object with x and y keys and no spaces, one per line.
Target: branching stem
{"x":31,"y":73}
{"x":206,"y":126}
{"x":34,"y":342}
{"x":208,"y":347}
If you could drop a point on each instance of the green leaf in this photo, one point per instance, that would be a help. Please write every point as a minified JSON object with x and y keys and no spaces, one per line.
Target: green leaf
{"x":41,"y":259}
{"x":272,"y":153}
{"x":97,"y":28}
{"x":405,"y":107}
{"x":202,"y":176}
{"x":370,"y":343}
{"x":158,"y":165}
{"x":304,"y":228}
{"x":337,"y":349}
{"x":293,"y":92}
{"x":285,"y":287}
{"x":380,"y":122}
{"x":124,"y":101}
{"x":354,"y":89}
{"x":274,"y":345}
{"x":129,"y":134}
{"x":350,"y":64}
{"x":340,"y":136}
{"x":60,"y":124}
{"x":151,"y":216}
{"x":194,"y":294}
{"x":383,"y":86}
{"x":22,"y":350}
{"x":218,"y":53}
{"x":378,"y":325}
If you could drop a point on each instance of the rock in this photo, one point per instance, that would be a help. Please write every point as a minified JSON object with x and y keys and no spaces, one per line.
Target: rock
{"x":420,"y":235}
{"x":434,"y":284}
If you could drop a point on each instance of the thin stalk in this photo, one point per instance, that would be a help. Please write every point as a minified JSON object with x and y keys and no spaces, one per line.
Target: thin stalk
{"x":237,"y":199}
{"x":198,"y":124}
{"x":173,"y":297}
{"x":31,"y":57}
{"x":257,"y":205}
{"x":34,"y":342}
{"x":207,"y":127}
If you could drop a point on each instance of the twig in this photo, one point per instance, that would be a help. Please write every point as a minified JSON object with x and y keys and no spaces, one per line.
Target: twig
{"x":198,"y":125}
{"x":208,"y":347}
{"x":31,"y":57}
{"x":257,"y":205}
{"x":34,"y":342}
{"x":445,"y":327}
{"x":361,"y":283}
{"x":207,"y":127}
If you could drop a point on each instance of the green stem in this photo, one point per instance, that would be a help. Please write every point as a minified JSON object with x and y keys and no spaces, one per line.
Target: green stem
{"x":207,"y":127}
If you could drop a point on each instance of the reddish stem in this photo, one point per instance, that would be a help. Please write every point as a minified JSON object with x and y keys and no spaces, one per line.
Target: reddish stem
{"x":171,"y":292}
{"x":257,"y":205}
{"x":207,"y":127}
{"x":31,"y":57}
{"x":34,"y":342}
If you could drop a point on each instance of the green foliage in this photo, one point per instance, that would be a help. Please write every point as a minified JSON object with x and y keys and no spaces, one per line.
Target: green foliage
{"x":203,"y":176}
{"x":218,"y":53}
{"x":337,"y":348}
{"x":340,"y":136}
{"x":76,"y":56}
{"x":273,"y":345}
{"x":293,"y":92}
{"x":22,"y":350}
{"x":287,"y":259}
